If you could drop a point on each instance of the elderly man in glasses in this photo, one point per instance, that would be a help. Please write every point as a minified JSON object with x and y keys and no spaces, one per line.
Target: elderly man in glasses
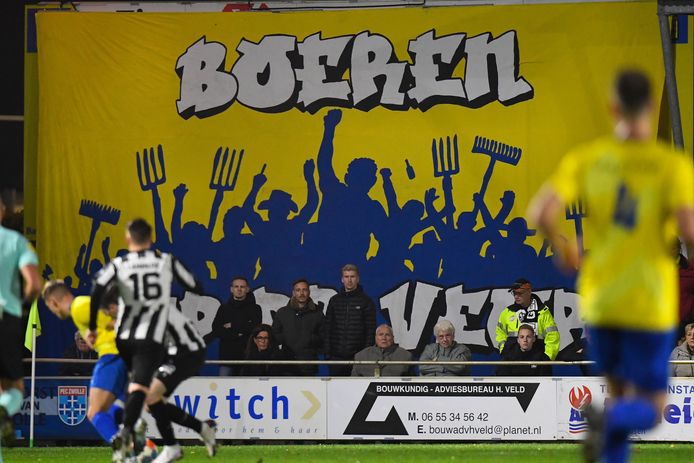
{"x":528,"y":309}
{"x":444,"y":349}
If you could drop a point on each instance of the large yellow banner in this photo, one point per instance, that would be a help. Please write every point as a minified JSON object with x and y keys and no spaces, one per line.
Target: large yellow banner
{"x":279,"y":146}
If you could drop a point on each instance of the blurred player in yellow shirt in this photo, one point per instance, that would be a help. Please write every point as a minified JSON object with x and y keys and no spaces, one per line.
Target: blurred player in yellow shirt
{"x":110,"y":376}
{"x":638,"y":193}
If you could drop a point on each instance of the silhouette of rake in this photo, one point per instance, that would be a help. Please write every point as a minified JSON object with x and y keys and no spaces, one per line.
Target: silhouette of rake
{"x":221,"y":174}
{"x":97,"y":213}
{"x":148,"y":164}
{"x":445,"y":163}
{"x":497,"y":151}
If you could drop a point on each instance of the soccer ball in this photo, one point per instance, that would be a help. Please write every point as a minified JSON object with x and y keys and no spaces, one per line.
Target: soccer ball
{"x":149,"y":453}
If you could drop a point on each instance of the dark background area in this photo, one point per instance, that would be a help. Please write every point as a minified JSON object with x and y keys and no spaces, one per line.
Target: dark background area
{"x":12,"y":99}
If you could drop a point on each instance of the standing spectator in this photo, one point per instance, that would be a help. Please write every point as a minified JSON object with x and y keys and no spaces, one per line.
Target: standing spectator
{"x":385,"y":349}
{"x":234,"y":322}
{"x":684,"y":351}
{"x":16,"y":258}
{"x":299,"y":326}
{"x":350,"y":321}
{"x":530,"y":310}
{"x":527,"y":350}
{"x":78,"y":350}
{"x":444,"y":349}
{"x":262,"y":346}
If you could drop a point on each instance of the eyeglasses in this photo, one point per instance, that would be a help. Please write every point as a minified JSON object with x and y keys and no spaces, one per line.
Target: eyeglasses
{"x":262,"y":338}
{"x":519,"y":292}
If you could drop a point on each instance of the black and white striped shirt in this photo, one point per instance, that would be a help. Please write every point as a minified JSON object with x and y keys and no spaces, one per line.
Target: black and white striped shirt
{"x":182,"y":336}
{"x":144,"y":281}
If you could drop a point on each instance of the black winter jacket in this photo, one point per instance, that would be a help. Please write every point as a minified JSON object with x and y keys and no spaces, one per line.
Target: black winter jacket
{"x":244,"y":316}
{"x":350,"y":323}
{"x":515,"y":353}
{"x":299,"y":331}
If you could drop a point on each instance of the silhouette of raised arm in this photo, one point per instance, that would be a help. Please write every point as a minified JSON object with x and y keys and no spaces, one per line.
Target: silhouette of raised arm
{"x":253,"y":219}
{"x":389,"y":191}
{"x":312,"y":193}
{"x":326,"y":174}
{"x":179,"y":195}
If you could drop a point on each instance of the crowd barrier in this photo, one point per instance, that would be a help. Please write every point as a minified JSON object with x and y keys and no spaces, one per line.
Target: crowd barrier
{"x":408,"y":408}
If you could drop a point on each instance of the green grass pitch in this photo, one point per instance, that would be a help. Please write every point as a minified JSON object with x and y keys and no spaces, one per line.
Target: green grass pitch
{"x":366,"y":453}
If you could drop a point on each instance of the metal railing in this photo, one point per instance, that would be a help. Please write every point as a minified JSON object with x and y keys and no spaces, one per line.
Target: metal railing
{"x":378,"y":364}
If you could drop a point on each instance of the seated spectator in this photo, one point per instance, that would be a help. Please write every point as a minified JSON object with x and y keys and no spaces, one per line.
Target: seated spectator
{"x":525,"y":349}
{"x":298,"y":327}
{"x":385,"y":349}
{"x":527,"y":309}
{"x":78,"y":350}
{"x":686,"y":287}
{"x":684,"y":351}
{"x":444,"y":349}
{"x":262,"y":346}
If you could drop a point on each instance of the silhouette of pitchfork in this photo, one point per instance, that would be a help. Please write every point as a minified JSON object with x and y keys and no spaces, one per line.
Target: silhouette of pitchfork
{"x":446,"y":165}
{"x":577,"y":212}
{"x":221,"y":179}
{"x":151,"y":176}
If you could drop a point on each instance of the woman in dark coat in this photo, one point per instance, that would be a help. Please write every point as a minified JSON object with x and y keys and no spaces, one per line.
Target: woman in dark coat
{"x":262,"y":346}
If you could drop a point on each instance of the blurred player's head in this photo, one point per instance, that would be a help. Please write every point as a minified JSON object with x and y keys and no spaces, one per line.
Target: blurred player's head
{"x":58,"y":298}
{"x":632,"y":93}
{"x":632,"y":105}
{"x":138,"y":234}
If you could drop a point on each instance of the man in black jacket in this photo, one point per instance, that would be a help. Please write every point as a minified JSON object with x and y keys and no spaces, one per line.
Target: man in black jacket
{"x":298,"y":326}
{"x":525,"y":349}
{"x":350,"y":321}
{"x":233,"y":324}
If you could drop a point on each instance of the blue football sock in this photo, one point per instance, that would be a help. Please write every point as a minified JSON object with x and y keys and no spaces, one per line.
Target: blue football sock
{"x":624,"y":417}
{"x":11,"y":401}
{"x":616,"y":448}
{"x":116,"y":411}
{"x":105,"y":425}
{"x":629,"y":415}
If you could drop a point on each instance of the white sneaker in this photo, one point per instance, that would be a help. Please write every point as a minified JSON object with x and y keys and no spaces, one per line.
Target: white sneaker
{"x":208,"y":436}
{"x":169,"y":453}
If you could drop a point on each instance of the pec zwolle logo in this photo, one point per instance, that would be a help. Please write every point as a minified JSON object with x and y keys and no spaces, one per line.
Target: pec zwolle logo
{"x":72,"y":404}
{"x":579,"y":398}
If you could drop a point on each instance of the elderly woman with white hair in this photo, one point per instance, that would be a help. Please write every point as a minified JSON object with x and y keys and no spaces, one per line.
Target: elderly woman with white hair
{"x":444,"y":349}
{"x":684,"y":351}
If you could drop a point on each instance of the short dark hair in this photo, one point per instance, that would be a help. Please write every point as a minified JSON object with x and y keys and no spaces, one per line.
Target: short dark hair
{"x":526,"y":326}
{"x":239,"y":277}
{"x":140,"y":231}
{"x":633,"y":91}
{"x":54,"y":288}
{"x":300,"y":280}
